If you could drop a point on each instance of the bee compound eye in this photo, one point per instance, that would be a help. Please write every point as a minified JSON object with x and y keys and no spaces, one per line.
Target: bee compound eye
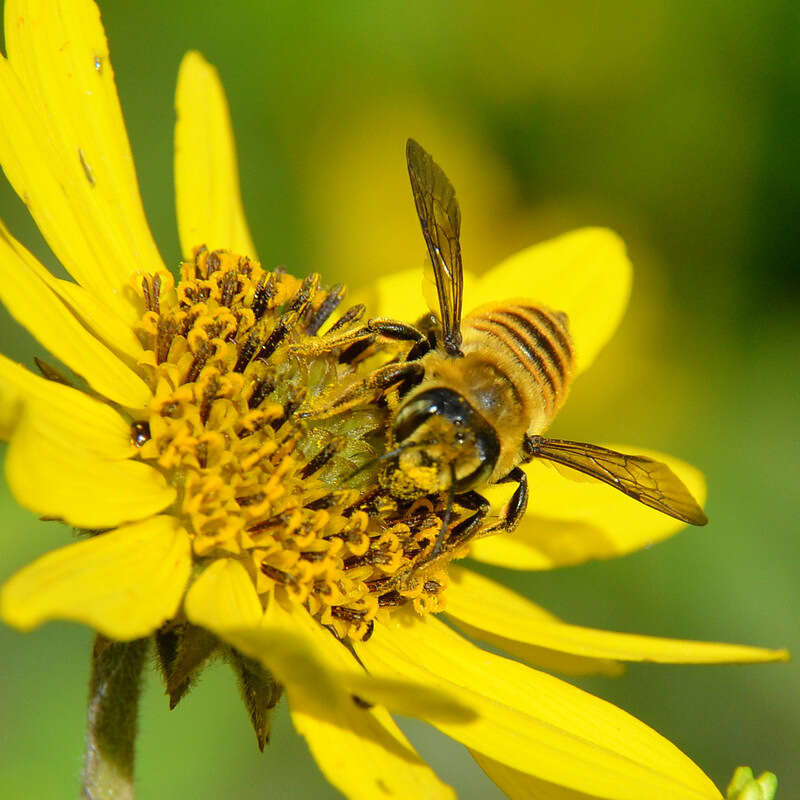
{"x":483,"y":457}
{"x":419,"y":408}
{"x":411,"y":416}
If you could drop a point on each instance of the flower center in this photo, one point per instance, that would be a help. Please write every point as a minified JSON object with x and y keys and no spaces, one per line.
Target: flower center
{"x":237,"y":368}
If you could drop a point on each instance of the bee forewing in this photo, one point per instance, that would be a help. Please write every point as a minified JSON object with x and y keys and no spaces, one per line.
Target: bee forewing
{"x":440,"y":218}
{"x":429,"y":290}
{"x":650,"y":482}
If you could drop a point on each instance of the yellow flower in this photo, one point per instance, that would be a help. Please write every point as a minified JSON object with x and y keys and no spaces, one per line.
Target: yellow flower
{"x":214,"y":507}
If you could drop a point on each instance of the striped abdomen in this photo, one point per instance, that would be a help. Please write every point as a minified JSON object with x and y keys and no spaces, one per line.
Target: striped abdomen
{"x":531,"y":347}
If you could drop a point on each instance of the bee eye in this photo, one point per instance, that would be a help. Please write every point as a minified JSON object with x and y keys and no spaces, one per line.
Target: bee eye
{"x":460,"y":437}
{"x":435,"y":402}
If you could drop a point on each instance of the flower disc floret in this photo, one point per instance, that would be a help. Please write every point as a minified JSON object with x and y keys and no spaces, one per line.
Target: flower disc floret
{"x":232,"y":357}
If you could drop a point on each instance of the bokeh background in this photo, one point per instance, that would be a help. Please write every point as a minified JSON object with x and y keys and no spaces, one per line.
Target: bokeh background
{"x":671,"y":121}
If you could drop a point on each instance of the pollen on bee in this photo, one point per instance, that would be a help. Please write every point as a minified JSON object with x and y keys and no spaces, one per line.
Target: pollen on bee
{"x":409,"y":482}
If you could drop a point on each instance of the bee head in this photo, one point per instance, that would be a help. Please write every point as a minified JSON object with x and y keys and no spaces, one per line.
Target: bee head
{"x":442,"y":443}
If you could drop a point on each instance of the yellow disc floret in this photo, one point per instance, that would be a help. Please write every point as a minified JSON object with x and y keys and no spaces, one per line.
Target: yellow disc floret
{"x":258,"y":479}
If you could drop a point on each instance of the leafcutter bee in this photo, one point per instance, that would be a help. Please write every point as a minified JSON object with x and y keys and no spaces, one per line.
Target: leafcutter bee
{"x":488,"y":386}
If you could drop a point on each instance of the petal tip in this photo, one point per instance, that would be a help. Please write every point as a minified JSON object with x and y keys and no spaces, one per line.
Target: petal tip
{"x":12,"y":609}
{"x":194,"y":59}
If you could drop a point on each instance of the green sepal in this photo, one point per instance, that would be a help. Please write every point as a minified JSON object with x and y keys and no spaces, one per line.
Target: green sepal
{"x":183,"y":649}
{"x":260,"y":693}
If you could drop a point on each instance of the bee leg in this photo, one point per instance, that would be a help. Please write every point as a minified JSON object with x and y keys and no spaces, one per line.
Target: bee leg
{"x":374,"y":384}
{"x":467,"y":528}
{"x":331,"y":302}
{"x":516,"y":506}
{"x":392,"y":329}
{"x":413,"y":379}
{"x":375,"y":328}
{"x":422,"y":347}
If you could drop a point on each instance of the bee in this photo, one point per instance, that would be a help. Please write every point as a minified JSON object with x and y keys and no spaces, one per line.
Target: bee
{"x":487,"y":387}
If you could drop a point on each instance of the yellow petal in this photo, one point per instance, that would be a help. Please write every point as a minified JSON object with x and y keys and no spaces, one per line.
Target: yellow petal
{"x":536,"y":723}
{"x":572,"y":518}
{"x":406,"y":296}
{"x":315,"y":666}
{"x":223,"y":596}
{"x":124,"y":583}
{"x":73,"y":168}
{"x":518,"y":785}
{"x":34,"y":305}
{"x":84,"y":422}
{"x":521,"y":644}
{"x":365,"y":755}
{"x":94,"y":313}
{"x":585,"y":273}
{"x":50,"y":473}
{"x":546,"y":659}
{"x":11,"y":405}
{"x":209,"y":201}
{"x":276,"y":638}
{"x":98,"y":317}
{"x":510,"y":619}
{"x":361,"y":751}
{"x":30,"y":162}
{"x":541,"y":543}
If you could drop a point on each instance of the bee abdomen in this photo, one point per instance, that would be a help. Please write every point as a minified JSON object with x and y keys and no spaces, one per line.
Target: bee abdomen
{"x":538,"y":344}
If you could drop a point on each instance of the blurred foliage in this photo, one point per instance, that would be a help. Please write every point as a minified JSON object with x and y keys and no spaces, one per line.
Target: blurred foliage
{"x":674,"y":123}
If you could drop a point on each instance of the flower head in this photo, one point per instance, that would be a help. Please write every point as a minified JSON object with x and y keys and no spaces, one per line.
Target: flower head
{"x":219,"y":448}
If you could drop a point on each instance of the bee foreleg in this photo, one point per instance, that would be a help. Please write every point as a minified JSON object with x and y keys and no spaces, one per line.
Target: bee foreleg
{"x":515,"y":508}
{"x":392,"y":329}
{"x":373,"y":385}
{"x":375,"y":328}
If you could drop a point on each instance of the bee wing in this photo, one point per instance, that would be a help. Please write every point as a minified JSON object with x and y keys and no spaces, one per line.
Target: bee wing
{"x":440,"y":218}
{"x":648,"y":481}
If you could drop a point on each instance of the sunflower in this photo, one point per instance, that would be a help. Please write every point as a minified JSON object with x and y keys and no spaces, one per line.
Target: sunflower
{"x":222,"y":510}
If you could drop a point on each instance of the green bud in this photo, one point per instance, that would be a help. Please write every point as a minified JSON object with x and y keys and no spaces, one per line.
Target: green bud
{"x":744,"y":786}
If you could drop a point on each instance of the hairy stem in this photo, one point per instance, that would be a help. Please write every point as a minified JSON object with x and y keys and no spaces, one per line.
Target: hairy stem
{"x":111,"y":718}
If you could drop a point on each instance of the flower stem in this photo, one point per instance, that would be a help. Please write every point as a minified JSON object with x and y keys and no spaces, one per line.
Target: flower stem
{"x":111,"y":718}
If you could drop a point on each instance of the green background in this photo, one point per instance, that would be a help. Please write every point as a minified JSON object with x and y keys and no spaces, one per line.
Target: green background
{"x":674,"y":123}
